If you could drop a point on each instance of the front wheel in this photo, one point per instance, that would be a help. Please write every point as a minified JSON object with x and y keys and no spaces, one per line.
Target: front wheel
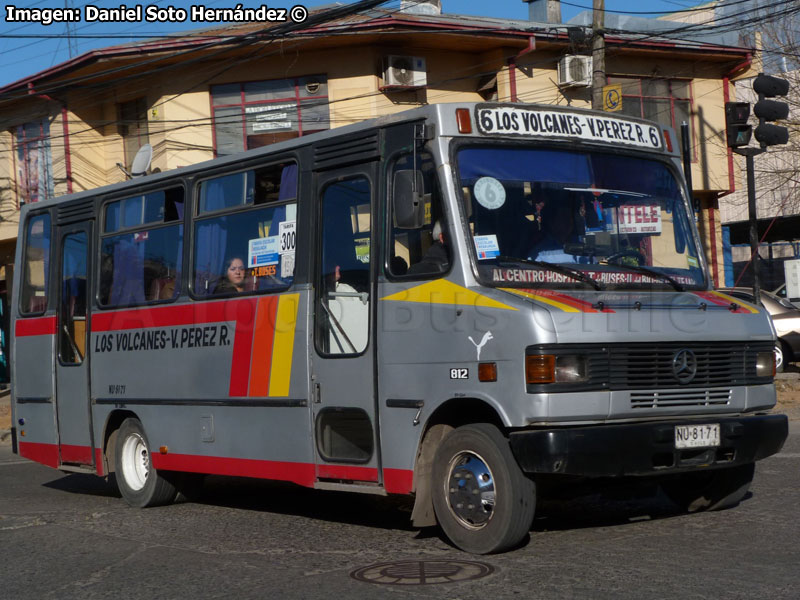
{"x":138,"y":482}
{"x":709,"y":490}
{"x":483,"y":501}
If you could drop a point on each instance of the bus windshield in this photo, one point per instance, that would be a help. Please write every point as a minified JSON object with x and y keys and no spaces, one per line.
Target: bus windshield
{"x":568,"y":218}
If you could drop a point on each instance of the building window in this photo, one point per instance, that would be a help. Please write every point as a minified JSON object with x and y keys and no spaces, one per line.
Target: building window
{"x":133,"y":127}
{"x":34,"y":162}
{"x":665,"y":101}
{"x":254,"y":114}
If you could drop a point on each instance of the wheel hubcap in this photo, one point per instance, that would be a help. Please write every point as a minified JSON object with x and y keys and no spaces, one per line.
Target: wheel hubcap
{"x":135,"y":462}
{"x":470,"y":490}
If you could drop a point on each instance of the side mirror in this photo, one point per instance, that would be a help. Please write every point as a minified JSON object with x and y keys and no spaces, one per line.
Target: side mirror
{"x":409,"y":208}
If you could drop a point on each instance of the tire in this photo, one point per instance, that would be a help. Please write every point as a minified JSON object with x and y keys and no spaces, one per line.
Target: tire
{"x":709,"y":490}
{"x":507,"y":504}
{"x":138,"y":482}
{"x":780,"y":357}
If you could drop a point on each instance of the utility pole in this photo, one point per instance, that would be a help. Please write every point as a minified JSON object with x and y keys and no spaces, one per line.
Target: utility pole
{"x":598,"y":53}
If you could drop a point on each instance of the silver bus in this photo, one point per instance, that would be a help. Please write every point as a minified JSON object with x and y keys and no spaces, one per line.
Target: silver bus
{"x":467,"y":303}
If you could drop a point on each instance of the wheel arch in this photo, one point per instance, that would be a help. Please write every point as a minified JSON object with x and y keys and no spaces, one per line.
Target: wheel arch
{"x":448,"y":416}
{"x":112,"y":425}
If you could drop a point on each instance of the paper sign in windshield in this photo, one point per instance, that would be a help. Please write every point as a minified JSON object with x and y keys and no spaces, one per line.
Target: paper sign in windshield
{"x":486,"y":246}
{"x":639,"y":218}
{"x":263,"y":251}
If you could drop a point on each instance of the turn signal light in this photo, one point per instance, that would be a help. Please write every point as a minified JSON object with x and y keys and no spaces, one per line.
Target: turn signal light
{"x":540,"y":368}
{"x":163,"y":449}
{"x":668,"y":140}
{"x":487,"y":371}
{"x":463,"y":120}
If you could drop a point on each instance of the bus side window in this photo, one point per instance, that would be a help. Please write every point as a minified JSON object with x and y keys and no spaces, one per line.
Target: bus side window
{"x":141,"y":249}
{"x":423,"y":252}
{"x":36,"y":265}
{"x":245,"y":234}
{"x":345,"y":267}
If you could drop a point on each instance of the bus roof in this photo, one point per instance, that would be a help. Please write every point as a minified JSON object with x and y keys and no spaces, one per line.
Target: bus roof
{"x":534,"y":121}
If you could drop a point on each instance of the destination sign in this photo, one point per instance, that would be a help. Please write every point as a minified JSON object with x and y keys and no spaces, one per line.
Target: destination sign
{"x":534,"y":122}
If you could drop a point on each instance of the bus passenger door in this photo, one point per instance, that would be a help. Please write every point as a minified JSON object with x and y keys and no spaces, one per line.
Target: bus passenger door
{"x":342,"y":363}
{"x":73,"y":406}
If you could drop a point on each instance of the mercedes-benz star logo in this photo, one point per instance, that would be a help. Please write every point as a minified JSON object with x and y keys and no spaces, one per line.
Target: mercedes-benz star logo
{"x":684,"y":365}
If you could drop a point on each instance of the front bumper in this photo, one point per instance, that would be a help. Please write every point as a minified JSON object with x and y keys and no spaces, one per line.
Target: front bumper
{"x":645,"y":448}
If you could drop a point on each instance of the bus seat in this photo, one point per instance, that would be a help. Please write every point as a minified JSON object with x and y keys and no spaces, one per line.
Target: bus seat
{"x":37,"y":304}
{"x":162,"y":288}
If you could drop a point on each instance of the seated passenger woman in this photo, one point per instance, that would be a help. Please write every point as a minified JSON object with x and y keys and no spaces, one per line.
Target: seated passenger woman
{"x":233,"y":278}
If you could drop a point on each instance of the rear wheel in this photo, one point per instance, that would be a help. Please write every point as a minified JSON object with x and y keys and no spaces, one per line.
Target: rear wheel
{"x":709,"y":490}
{"x":138,"y":482}
{"x":483,"y":501}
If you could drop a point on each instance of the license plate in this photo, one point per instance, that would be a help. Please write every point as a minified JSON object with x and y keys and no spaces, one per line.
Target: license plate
{"x":697,"y":436}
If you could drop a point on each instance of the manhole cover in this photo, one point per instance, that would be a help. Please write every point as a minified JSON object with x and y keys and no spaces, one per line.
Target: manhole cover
{"x":422,"y":572}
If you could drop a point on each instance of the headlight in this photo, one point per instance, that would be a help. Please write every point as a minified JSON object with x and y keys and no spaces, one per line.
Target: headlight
{"x":548,"y":368}
{"x":765,"y":364}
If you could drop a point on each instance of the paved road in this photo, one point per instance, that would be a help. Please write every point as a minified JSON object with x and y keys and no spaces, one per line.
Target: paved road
{"x":71,"y":536}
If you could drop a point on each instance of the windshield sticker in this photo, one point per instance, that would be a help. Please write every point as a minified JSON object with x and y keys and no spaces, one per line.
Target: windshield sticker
{"x":263,"y":251}
{"x":639,"y":218}
{"x":287,"y":233}
{"x":692,"y":261}
{"x":490,"y":193}
{"x":486,"y":246}
{"x":545,"y":276}
{"x":521,"y":121}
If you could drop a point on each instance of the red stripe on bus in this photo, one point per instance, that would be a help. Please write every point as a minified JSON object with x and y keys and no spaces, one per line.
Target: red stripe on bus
{"x":35,"y":326}
{"x":398,"y":481}
{"x":76,"y":454}
{"x":581,"y":305}
{"x":242,"y":349}
{"x":262,"y":346}
{"x":300,"y":473}
{"x":710,"y":297}
{"x":172,"y":316}
{"x":47,"y":454}
{"x":98,"y":461}
{"x":352,"y":473}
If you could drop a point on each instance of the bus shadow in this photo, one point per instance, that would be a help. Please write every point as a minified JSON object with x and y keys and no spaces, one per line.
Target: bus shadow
{"x":84,"y":484}
{"x":604,"y":510}
{"x":384,"y":512}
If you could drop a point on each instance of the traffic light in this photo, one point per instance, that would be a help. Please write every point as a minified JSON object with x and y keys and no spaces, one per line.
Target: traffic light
{"x":736,"y":127}
{"x":767,"y":86}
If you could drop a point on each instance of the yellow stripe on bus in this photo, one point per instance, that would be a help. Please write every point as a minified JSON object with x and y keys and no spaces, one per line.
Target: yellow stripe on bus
{"x":283,"y":347}
{"x":545,"y":299}
{"x":738,"y":301}
{"x":442,"y":291}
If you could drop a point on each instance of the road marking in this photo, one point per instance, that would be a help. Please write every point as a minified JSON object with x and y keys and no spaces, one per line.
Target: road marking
{"x":787,"y":455}
{"x":14,"y":462}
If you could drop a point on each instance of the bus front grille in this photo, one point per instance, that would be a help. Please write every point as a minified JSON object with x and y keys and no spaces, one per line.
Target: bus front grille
{"x":678,"y":399}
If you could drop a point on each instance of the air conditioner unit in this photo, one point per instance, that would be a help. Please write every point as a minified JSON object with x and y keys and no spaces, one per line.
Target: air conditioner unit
{"x":575,"y":71}
{"x":404,"y":72}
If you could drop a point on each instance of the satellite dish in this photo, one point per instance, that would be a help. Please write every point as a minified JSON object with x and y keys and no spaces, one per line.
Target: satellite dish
{"x":141,"y":162}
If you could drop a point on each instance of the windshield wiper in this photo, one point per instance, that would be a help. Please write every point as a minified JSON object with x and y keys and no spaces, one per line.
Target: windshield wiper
{"x":649,"y":271}
{"x":568,"y":271}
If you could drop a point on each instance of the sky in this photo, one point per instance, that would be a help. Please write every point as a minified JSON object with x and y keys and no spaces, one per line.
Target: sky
{"x":22,"y":56}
